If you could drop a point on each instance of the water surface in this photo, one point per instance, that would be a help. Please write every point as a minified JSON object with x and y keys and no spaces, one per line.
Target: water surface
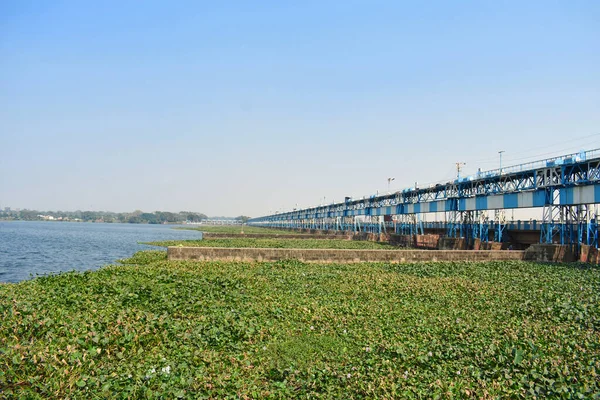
{"x":30,"y":248}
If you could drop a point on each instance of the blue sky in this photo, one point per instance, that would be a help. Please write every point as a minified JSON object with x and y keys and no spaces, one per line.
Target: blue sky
{"x":232,"y":108}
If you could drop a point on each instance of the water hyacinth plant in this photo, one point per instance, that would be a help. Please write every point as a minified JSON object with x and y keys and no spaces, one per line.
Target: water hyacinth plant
{"x":238,"y":229}
{"x":280,"y":243}
{"x":151,"y":328}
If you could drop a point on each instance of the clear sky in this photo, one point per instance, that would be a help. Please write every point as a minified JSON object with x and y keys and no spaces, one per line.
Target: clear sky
{"x":249,"y":107}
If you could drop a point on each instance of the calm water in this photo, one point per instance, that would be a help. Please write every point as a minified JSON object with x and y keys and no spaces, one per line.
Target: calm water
{"x":30,"y":248}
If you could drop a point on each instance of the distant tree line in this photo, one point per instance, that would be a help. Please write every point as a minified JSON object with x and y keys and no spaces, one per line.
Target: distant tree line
{"x":136,"y":217}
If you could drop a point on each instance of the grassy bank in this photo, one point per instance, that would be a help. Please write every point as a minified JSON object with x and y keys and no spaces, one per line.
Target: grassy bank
{"x":154,"y":328}
{"x":235,"y":229}
{"x":280,"y":243}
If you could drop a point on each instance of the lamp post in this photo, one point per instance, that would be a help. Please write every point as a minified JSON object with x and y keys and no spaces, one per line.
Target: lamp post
{"x":500,"y":152}
{"x":389,"y":182}
{"x":458,"y":166}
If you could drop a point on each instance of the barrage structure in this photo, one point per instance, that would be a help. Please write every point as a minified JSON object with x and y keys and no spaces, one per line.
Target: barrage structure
{"x":565,"y":188}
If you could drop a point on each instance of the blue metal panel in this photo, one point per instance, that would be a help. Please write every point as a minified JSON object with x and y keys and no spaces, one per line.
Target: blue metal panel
{"x":481,"y":203}
{"x":388,"y":210}
{"x":566,"y":196}
{"x":451,"y":205}
{"x":462,"y":204}
{"x":511,"y":200}
{"x":417,"y":208}
{"x":539,"y":198}
{"x":400,"y":209}
{"x":597,"y":193}
{"x":433,"y":206}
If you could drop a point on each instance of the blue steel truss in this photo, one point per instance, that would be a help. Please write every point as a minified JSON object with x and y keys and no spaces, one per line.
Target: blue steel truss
{"x":565,"y":187}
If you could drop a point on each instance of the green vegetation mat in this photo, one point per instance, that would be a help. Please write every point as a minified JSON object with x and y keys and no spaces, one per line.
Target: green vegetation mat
{"x":154,"y":328}
{"x":279,"y":243}
{"x":238,"y":229}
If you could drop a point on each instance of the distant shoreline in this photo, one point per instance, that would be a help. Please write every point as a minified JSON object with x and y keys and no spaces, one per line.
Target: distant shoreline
{"x":90,"y":222}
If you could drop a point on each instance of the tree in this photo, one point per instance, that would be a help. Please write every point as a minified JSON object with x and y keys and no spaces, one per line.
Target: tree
{"x":89,"y":216}
{"x":242,"y":218}
{"x":149,"y":218}
{"x":192,"y":216}
{"x":134,"y":219}
{"x":29,"y":215}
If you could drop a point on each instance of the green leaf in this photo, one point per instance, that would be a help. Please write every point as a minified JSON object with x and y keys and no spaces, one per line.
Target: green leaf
{"x":518,"y":357}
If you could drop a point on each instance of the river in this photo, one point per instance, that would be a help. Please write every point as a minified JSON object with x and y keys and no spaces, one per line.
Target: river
{"x":33,"y":248}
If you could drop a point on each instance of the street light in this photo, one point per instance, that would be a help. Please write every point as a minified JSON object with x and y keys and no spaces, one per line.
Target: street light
{"x":458,"y":166}
{"x":500,"y":152}
{"x":389,"y":182}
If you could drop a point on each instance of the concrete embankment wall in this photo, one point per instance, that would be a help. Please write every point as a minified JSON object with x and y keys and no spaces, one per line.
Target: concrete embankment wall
{"x":415,"y":243}
{"x":337,"y":256}
{"x":550,"y":253}
{"x":589,"y":254}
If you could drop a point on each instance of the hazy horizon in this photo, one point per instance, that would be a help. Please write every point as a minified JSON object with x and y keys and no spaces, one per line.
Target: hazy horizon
{"x":251,"y":108}
{"x":17,"y":209}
